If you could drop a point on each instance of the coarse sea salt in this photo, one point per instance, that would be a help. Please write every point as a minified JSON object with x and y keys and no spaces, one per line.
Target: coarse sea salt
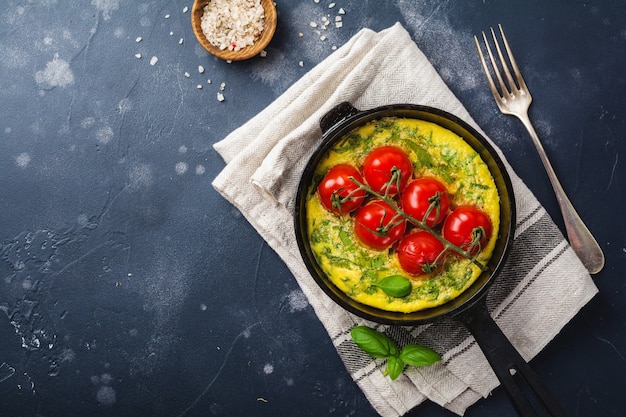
{"x":233,"y":24}
{"x":154,"y":60}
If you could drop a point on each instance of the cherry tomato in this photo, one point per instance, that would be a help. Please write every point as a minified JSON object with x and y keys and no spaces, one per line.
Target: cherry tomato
{"x":426,"y":199}
{"x":420,"y":253}
{"x":378,"y":225}
{"x":387,"y":169}
{"x":467,"y":227}
{"x":338,"y":193}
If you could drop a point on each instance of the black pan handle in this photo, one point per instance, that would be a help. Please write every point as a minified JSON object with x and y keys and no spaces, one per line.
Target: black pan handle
{"x":504,"y":358}
{"x":337,"y":114}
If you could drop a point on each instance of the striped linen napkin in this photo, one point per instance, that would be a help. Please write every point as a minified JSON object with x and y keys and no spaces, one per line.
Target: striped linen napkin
{"x":265,"y":158}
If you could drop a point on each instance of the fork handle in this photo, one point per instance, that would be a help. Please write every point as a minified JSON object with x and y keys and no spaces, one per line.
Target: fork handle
{"x":580,"y":238}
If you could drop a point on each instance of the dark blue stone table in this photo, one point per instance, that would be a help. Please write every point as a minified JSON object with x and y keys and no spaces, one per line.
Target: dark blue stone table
{"x":129,"y":287}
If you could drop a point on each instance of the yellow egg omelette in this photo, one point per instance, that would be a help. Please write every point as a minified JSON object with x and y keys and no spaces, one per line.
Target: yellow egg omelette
{"x":356,"y":269}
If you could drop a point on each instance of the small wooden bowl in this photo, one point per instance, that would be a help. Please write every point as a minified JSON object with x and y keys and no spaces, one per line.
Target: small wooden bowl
{"x":269,"y":27}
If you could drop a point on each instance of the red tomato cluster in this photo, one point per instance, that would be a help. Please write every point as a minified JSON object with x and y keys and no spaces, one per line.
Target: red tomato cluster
{"x":388,"y":171}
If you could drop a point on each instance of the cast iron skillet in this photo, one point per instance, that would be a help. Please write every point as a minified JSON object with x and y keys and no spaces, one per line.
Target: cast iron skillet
{"x":469,"y":307}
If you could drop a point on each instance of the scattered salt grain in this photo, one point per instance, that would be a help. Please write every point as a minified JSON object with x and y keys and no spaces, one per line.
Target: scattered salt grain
{"x":313,"y":24}
{"x":301,"y":63}
{"x":331,"y":5}
{"x":323,"y":38}
{"x":167,"y":16}
{"x":342,"y":11}
{"x":338,"y":18}
{"x":199,"y":86}
{"x":187,"y":75}
{"x":137,"y":56}
{"x":233,"y":24}
{"x":338,"y":24}
{"x":139,"y":39}
{"x":180,"y":41}
{"x":220,"y":97}
{"x":316,"y":1}
{"x":263,"y":53}
{"x":171,"y":33}
{"x":154,"y":60}
{"x":200,"y":69}
{"x":300,"y":34}
{"x":181,"y":168}
{"x":208,"y":81}
{"x":185,"y":9}
{"x":222,"y":86}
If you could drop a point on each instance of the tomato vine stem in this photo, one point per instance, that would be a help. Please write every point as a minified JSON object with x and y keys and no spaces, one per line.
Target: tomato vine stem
{"x":422,"y":225}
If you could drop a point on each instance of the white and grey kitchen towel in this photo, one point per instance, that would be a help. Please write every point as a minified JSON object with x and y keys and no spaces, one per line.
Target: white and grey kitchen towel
{"x":542,"y":286}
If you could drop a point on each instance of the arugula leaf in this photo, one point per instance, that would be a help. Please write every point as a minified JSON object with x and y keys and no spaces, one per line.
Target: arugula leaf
{"x":395,"y":285}
{"x":417,"y":355}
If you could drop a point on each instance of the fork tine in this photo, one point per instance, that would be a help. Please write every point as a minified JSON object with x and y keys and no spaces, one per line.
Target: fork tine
{"x":503,"y":88}
{"x":492,"y":85}
{"x":518,"y":74}
{"x":505,"y":66}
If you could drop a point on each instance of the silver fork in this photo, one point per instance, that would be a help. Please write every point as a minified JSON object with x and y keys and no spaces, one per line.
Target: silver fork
{"x":514,"y":99}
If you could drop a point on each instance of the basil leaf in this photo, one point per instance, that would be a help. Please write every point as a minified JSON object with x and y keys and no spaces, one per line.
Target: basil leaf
{"x":417,"y":355}
{"x":395,"y":366}
{"x":395,"y":285}
{"x":372,"y":342}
